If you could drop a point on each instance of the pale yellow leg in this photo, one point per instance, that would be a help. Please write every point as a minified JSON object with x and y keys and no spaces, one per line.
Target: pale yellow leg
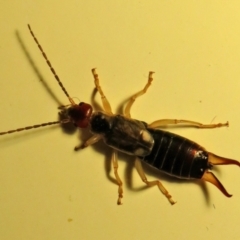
{"x":140,"y":93}
{"x":119,"y":182}
{"x":141,"y":173}
{"x":90,"y":141}
{"x":164,"y":122}
{"x":105,"y":103}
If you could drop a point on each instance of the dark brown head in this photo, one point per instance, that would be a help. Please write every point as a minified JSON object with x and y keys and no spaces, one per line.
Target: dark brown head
{"x":80,"y":114}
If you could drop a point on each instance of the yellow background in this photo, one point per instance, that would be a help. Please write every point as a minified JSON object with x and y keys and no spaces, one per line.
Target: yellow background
{"x":48,"y":191}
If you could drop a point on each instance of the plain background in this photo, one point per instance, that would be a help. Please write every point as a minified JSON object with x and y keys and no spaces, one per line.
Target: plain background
{"x":48,"y":191}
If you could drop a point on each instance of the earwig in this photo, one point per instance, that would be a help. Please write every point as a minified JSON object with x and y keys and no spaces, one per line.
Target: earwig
{"x":170,"y":153}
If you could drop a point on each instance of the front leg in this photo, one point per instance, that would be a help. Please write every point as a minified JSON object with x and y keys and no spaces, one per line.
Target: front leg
{"x":95,"y":138}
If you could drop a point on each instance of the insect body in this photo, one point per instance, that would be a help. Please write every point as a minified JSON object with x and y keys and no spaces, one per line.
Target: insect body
{"x":183,"y":158}
{"x":168,"y":152}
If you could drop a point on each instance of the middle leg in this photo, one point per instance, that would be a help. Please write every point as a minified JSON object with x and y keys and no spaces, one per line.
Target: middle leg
{"x":105,"y":103}
{"x":138,"y":94}
{"x":119,"y":182}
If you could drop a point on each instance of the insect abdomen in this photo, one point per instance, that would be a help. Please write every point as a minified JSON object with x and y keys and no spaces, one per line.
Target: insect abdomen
{"x":177,"y":156}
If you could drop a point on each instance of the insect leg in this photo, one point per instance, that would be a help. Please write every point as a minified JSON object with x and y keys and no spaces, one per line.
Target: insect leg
{"x":141,"y":173}
{"x":119,"y":182}
{"x":164,"y":122}
{"x":90,"y":141}
{"x":105,"y":103}
{"x":138,"y":94}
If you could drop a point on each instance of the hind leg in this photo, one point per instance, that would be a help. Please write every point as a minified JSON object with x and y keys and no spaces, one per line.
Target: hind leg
{"x":141,"y":173}
{"x":164,"y":122}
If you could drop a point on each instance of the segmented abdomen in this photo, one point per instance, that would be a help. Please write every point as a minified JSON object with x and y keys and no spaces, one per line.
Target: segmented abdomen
{"x":177,"y":156}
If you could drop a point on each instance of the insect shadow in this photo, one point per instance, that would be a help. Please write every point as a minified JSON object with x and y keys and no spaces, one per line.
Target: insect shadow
{"x":35,"y":69}
{"x":67,"y":127}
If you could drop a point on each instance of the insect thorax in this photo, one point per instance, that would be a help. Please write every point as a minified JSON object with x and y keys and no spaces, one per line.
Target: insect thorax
{"x":126,"y":135}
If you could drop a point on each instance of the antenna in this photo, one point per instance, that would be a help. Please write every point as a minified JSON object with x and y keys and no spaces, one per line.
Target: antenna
{"x":60,"y":84}
{"x":50,"y":66}
{"x":33,"y":126}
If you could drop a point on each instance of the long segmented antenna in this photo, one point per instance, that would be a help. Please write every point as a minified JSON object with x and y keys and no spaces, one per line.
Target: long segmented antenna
{"x":50,"y":66}
{"x":60,"y":84}
{"x":33,"y":126}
